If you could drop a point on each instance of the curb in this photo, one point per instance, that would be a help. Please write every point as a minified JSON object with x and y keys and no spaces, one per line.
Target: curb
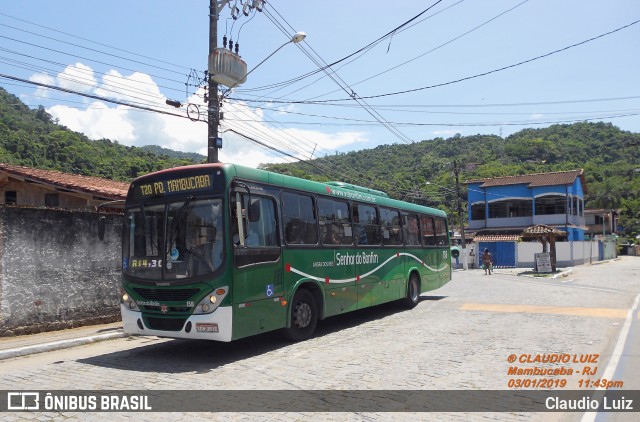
{"x":563,"y":274}
{"x":604,"y":261}
{"x":57,"y":345}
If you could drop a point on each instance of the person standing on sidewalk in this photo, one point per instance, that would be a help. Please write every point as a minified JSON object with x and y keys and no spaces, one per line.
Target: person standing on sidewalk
{"x":487,"y":262}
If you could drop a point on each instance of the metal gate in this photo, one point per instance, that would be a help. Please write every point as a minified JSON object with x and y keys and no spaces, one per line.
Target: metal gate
{"x":503,"y":253}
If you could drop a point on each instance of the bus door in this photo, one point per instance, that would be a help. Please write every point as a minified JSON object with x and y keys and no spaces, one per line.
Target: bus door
{"x":432,"y":254}
{"x":442,"y":242}
{"x":391,"y":269}
{"x":335,"y":261}
{"x":257,"y":282}
{"x":373,"y":286}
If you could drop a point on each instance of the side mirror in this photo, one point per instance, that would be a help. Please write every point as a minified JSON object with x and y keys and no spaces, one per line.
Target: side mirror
{"x":101,"y":227}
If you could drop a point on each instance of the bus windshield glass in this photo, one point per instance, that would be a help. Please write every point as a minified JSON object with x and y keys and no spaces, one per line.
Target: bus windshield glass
{"x":176,"y":240}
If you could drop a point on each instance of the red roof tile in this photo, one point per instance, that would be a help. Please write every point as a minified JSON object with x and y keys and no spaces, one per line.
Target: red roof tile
{"x":496,"y":238}
{"x":543,"y":229}
{"x":536,"y":179}
{"x":87,"y":184}
{"x":498,"y":235}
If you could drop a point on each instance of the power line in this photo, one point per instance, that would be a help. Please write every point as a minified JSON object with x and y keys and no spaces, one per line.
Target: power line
{"x":90,"y":49}
{"x":343,"y":85}
{"x":94,"y":42}
{"x":383,"y":106}
{"x":433,"y":49}
{"x":90,"y":83}
{"x":97,"y":97}
{"x":82,"y":57}
{"x":479,"y":74}
{"x":359,"y":53}
{"x":93,"y":71}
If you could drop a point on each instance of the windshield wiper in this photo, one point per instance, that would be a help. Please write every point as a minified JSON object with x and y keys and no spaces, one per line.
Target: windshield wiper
{"x":178,"y":217}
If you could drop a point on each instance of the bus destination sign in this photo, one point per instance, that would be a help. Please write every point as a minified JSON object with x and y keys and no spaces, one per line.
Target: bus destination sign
{"x":172,"y":186}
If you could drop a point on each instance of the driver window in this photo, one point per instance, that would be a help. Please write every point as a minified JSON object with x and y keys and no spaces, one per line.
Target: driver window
{"x":259,"y":229}
{"x":259,"y":223}
{"x":204,"y":238}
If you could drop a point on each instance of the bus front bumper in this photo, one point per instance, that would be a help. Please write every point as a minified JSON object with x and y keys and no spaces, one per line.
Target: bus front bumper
{"x":214,"y":326}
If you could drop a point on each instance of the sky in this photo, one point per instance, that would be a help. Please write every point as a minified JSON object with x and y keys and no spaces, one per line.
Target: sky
{"x":450,"y":67}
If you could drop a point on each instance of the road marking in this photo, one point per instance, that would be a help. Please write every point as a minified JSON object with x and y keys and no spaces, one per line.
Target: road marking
{"x":555,"y":310}
{"x":610,"y":371}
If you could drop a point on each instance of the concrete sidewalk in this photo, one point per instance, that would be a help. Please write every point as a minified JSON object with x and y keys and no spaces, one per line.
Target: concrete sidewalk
{"x":11,"y":347}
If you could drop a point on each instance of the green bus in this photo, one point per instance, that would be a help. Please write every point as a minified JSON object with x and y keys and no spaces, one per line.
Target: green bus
{"x":221,"y":252}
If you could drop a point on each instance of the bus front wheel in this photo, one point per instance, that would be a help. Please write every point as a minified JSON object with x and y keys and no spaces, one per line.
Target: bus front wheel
{"x":413,"y":292}
{"x":304,"y":316}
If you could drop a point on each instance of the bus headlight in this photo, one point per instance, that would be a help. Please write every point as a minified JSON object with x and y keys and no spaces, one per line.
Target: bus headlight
{"x":211,"y":301}
{"x":128,"y":301}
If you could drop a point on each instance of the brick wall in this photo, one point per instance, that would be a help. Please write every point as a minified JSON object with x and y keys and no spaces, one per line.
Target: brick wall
{"x":54,"y":271}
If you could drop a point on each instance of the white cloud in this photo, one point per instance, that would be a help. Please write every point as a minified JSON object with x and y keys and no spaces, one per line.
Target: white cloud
{"x":97,"y":121}
{"x":447,"y":132}
{"x":537,"y":116}
{"x":136,"y":87}
{"x":42,"y":79}
{"x":77,"y":77}
{"x":298,"y":142}
{"x":134,"y":127}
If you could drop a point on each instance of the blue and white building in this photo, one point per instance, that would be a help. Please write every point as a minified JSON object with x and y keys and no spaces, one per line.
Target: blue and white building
{"x":501,"y":208}
{"x":516,"y":202}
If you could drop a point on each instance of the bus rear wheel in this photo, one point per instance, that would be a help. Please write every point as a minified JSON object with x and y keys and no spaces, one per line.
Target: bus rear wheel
{"x":304,"y":316}
{"x":413,"y":292}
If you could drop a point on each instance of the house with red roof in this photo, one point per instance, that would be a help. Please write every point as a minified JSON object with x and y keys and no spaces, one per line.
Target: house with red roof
{"x":501,"y":208}
{"x":31,"y":187}
{"x":56,"y":271}
{"x":555,"y":199}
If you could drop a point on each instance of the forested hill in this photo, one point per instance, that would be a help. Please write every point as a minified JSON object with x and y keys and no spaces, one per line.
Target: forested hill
{"x":30,"y":138}
{"x":610,"y":158}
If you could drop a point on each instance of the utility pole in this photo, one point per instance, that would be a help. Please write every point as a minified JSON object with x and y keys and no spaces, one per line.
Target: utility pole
{"x":213,"y":106}
{"x":456,"y":172}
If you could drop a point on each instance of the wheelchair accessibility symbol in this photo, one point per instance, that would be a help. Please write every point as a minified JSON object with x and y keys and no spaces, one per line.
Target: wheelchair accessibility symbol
{"x":270,"y":290}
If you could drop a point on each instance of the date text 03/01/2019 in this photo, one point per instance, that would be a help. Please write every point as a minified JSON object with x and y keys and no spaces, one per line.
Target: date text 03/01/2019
{"x":547,"y":383}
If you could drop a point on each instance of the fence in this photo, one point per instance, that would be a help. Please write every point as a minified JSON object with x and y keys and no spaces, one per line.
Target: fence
{"x":568,"y":254}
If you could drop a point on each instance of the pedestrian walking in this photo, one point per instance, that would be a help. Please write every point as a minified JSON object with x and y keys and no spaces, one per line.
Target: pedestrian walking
{"x":487,"y":262}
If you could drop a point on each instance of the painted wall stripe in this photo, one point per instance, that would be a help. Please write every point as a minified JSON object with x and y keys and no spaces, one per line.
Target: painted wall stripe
{"x":292,"y":269}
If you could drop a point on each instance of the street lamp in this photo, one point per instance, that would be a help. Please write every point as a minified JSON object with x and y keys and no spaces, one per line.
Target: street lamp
{"x":214,"y":118}
{"x":214,"y":143}
{"x":440,"y":186}
{"x":295,"y":39}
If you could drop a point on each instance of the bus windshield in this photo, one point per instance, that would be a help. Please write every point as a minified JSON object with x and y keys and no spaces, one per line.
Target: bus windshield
{"x":175,"y":240}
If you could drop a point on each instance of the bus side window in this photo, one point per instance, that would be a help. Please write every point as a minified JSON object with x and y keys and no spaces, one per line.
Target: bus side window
{"x":261,"y":233}
{"x":428,"y":231}
{"x":442,"y":237}
{"x":366,"y":225}
{"x":335,"y":225}
{"x":259,"y":222}
{"x":299,"y":219}
{"x":410,"y":229}
{"x":391,"y":229}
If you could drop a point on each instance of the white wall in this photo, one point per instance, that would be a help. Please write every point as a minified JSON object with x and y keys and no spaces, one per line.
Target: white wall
{"x":567,"y":253}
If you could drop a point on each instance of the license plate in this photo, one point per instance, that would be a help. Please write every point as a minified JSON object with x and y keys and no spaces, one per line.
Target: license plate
{"x":203,"y":327}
